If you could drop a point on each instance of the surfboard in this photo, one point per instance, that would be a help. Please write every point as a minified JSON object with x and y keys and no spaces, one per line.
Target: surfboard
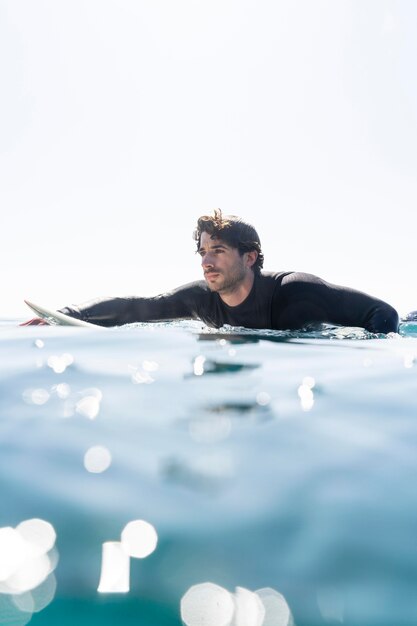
{"x":56,"y":318}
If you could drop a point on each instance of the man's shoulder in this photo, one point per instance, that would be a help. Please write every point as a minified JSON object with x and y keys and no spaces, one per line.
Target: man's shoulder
{"x":273,"y":277}
{"x":286,"y":284}
{"x":292,"y":276}
{"x":197,"y":286}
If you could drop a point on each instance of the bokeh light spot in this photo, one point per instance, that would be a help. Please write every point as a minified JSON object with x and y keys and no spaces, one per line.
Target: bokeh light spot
{"x":142,"y":378}
{"x":115,"y":569}
{"x":250,"y":610}
{"x":263,"y":398}
{"x":97,"y":459}
{"x":60,"y":363}
{"x":39,"y":534}
{"x":277,"y":611}
{"x":24,"y":560}
{"x":38,"y":599}
{"x":12,"y":551}
{"x":331,"y":604}
{"x":198,"y":365}
{"x":36,"y":396}
{"x":309,"y":381}
{"x":10,"y":614}
{"x":306,"y":396}
{"x":62,"y":390}
{"x":30,"y":574}
{"x":139,"y":539}
{"x":89,"y":404}
{"x":150,"y":366}
{"x":207,"y":604}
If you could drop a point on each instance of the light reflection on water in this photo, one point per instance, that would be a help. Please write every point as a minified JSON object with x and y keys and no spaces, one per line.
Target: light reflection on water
{"x":115,"y":569}
{"x":331,"y":604}
{"x":287,"y":461}
{"x":97,"y":459}
{"x":89,"y":403}
{"x":60,"y":363}
{"x":203,"y":365}
{"x":138,"y":540}
{"x":208,"y":604}
{"x":27,"y":560}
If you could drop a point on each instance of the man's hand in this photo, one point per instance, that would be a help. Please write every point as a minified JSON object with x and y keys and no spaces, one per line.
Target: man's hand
{"x":36,"y":321}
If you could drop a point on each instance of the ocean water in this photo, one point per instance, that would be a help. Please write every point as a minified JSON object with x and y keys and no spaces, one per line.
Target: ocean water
{"x":233,"y":477}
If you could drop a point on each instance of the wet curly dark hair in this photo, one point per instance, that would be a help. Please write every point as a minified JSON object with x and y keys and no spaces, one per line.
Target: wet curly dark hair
{"x":232,"y":230}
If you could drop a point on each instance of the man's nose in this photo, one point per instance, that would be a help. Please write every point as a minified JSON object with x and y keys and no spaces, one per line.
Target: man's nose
{"x":207,"y":260}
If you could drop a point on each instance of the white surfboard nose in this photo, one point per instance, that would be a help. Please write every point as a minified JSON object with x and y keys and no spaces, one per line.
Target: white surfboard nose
{"x":57,"y":318}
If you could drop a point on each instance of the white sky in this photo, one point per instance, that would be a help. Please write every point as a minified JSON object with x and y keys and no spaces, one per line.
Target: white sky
{"x":122,"y":121}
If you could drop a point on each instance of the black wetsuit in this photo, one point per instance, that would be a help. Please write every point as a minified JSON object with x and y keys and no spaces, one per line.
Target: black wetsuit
{"x":281,"y":300}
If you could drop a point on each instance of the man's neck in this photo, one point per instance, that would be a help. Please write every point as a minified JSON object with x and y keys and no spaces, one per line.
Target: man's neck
{"x":238,"y":294}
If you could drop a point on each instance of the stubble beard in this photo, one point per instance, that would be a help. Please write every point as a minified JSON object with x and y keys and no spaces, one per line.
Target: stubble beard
{"x":229,"y":284}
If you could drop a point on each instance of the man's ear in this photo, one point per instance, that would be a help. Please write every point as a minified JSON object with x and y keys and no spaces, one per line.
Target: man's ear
{"x":251,"y":257}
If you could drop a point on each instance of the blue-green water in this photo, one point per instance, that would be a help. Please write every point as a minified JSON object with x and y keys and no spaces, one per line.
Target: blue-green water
{"x":278,"y":460}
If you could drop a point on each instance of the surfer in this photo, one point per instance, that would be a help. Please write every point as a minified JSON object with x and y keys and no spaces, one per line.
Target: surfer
{"x":236,"y":291}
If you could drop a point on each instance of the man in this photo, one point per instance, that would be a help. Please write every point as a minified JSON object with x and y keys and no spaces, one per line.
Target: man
{"x":236,"y":291}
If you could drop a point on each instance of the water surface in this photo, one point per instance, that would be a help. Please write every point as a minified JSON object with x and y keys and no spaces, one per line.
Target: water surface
{"x":261,"y":459}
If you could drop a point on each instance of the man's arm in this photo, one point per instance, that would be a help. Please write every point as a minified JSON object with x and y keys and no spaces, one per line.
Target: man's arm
{"x":304,"y":298}
{"x":178,"y":304}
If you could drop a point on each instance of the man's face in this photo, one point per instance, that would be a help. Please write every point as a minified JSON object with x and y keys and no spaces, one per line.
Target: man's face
{"x":224,"y":268}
